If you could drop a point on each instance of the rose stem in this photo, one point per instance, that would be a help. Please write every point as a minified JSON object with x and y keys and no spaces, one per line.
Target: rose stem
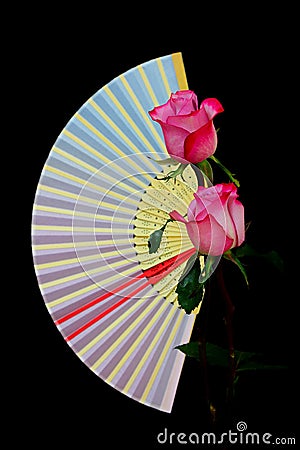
{"x":203,"y":322}
{"x":229,"y":329}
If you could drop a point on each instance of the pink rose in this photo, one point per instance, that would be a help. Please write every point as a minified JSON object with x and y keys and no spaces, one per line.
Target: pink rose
{"x":189,"y":132}
{"x":215,"y":219}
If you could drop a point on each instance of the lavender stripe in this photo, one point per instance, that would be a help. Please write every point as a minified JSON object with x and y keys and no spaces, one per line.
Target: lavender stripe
{"x":128,"y":368}
{"x":82,"y":319}
{"x":89,"y":334}
{"x":156,"y":393}
{"x":107,"y":343}
{"x":139,"y":385}
{"x":80,"y":300}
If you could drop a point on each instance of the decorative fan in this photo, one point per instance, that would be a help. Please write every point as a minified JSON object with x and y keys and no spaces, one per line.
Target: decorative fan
{"x":98,"y":200}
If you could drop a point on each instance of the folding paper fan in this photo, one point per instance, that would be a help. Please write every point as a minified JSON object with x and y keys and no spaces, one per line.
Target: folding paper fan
{"x":99,"y":198}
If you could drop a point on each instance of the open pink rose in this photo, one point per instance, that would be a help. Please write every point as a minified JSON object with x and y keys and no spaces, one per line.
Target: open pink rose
{"x":189,"y":132}
{"x":215,"y":219}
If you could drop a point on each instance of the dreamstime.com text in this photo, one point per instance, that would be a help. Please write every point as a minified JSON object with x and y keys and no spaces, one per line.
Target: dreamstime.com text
{"x":238,"y":436}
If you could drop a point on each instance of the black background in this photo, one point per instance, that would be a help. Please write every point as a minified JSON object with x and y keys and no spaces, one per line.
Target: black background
{"x":246,"y":61}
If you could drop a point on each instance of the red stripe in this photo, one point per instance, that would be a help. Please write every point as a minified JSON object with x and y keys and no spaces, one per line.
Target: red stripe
{"x":156,"y":273}
{"x":153,"y":274}
{"x":104,"y":313}
{"x":98,"y":300}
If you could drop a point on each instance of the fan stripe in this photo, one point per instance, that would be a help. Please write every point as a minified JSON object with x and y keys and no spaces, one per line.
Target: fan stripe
{"x":163,"y":76}
{"x":144,"y":359}
{"x":162,"y":357}
{"x":70,"y":261}
{"x":129,"y":120}
{"x":123,"y":136}
{"x":107,"y":311}
{"x":160,"y":271}
{"x":122,"y":337}
{"x":137,"y":342}
{"x":97,"y":300}
{"x":145,"y":116}
{"x":100,"y":156}
{"x":180,"y":70}
{"x":83,"y":182}
{"x":121,"y":319}
{"x":148,"y":85}
{"x":68,"y":212}
{"x":92,"y":201}
{"x":71,"y":296}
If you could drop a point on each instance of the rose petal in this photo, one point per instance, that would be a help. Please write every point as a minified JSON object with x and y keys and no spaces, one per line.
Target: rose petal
{"x":236,"y":211}
{"x":212,"y":107}
{"x":174,"y":140}
{"x":200,"y":144}
{"x":208,"y":237}
{"x":162,"y":112}
{"x":190,"y":122}
{"x":177,"y":216}
{"x":183,"y":102}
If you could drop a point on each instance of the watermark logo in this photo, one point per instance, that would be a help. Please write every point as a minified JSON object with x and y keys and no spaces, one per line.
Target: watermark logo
{"x":240,"y":436}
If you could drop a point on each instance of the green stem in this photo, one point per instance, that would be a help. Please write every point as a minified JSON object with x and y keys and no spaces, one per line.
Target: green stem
{"x":203,"y":324}
{"x":227,"y":171}
{"x":229,"y":311}
{"x":174,"y":173}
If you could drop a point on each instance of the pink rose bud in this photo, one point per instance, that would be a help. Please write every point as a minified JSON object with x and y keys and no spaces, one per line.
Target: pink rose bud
{"x":215,"y":219}
{"x":189,"y":132}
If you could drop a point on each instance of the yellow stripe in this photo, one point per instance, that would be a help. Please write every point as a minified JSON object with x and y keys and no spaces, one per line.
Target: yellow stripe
{"x":94,"y":186}
{"x":163,"y":76}
{"x":69,"y":212}
{"x":124,"y":137}
{"x":84,"y":244}
{"x":88,"y":288}
{"x":109,"y":329}
{"x":162,"y":358}
{"x":83,"y":198}
{"x":137,"y":341}
{"x":180,"y":70}
{"x":84,"y":274}
{"x":144,"y":114}
{"x":79,"y":229}
{"x":123,"y":336}
{"x":149,"y":350}
{"x":129,"y":120}
{"x":70,"y":261}
{"x":75,"y":160}
{"x":100,"y":156}
{"x":148,"y":85}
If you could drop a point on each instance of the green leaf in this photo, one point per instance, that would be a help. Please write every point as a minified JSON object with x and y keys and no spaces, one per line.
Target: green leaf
{"x":189,"y":265}
{"x":190,"y":349}
{"x":217,"y":356}
{"x":190,"y":291}
{"x":206,"y":168}
{"x":250,"y":361}
{"x":155,"y":240}
{"x":233,"y":257}
{"x":271,"y":257}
